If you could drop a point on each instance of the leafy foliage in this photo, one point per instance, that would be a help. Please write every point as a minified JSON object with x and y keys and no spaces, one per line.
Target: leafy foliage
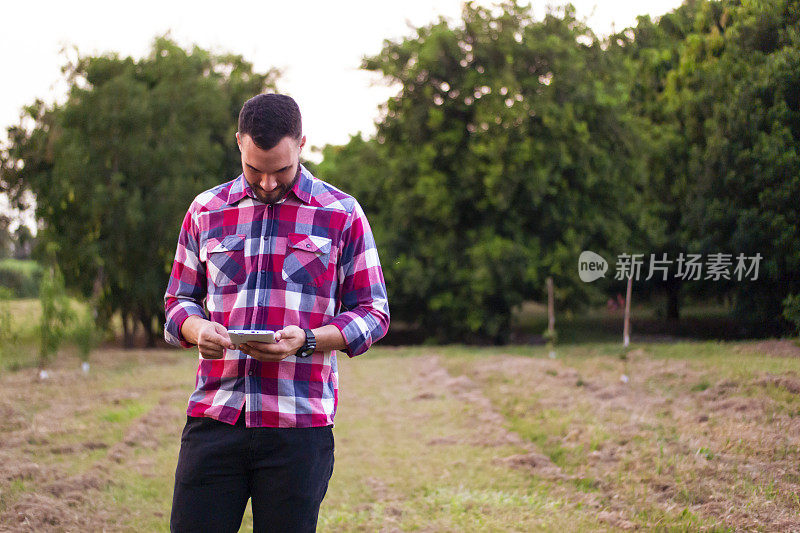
{"x":56,"y":315}
{"x":514,"y":144}
{"x":509,"y":149}
{"x":114,"y":168}
{"x":85,"y":333}
{"x":8,"y":335}
{"x":791,"y":311}
{"x":724,"y":88}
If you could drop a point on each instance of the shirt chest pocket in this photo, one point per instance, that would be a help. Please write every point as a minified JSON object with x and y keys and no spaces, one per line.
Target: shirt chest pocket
{"x":307,"y":259}
{"x":225,"y":260}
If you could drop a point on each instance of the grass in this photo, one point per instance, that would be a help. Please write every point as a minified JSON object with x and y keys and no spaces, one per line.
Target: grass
{"x":19,"y":277}
{"x":20,"y":349}
{"x":428,"y":473}
{"x":26,"y":266}
{"x":702,"y":320}
{"x":693,"y":414}
{"x":702,"y":437}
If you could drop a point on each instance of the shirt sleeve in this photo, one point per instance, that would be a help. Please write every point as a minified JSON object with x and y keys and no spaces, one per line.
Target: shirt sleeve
{"x":364,"y":316}
{"x":187,"y":283}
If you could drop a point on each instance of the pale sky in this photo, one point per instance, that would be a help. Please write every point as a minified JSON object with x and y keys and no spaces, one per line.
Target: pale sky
{"x":317,"y":44}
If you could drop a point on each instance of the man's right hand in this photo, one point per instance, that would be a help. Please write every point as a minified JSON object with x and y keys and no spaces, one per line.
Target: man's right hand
{"x":211,"y":338}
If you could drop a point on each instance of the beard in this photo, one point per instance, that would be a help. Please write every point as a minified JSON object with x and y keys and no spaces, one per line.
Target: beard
{"x":278,"y":193}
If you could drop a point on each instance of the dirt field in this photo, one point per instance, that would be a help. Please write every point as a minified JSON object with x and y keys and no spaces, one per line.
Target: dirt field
{"x":685,"y":436}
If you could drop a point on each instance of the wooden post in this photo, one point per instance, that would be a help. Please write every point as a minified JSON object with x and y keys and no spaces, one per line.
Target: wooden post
{"x":626,"y":330}
{"x":551,"y":316}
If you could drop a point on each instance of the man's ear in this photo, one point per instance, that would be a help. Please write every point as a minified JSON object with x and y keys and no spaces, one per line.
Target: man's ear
{"x":239,"y":141}
{"x":302,"y":143}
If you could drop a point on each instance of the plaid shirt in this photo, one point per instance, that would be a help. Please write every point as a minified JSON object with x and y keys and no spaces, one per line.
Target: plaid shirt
{"x":307,"y":261}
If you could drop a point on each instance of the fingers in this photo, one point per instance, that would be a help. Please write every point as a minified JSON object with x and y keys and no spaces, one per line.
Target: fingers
{"x":269,"y":347}
{"x":211,"y":352}
{"x":289,"y":332}
{"x":265,"y":351}
{"x":271,"y":352}
{"x":221,"y":337}
{"x":212,"y":341}
{"x":213,"y":347}
{"x":225,"y":342}
{"x":288,"y":341}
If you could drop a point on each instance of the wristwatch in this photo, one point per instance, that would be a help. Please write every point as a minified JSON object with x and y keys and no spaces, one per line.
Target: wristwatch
{"x":309,"y":346}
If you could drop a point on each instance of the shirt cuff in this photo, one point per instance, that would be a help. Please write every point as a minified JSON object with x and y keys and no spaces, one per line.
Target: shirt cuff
{"x":356,"y":332}
{"x":177,"y":316}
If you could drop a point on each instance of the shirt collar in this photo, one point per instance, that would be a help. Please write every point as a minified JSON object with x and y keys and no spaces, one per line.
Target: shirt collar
{"x":239,"y":189}
{"x":302,"y":188}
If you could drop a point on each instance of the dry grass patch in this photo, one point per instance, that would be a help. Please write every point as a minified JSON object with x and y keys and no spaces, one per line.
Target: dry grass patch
{"x":677,"y":440}
{"x":72,"y":440}
{"x":420,"y":449}
{"x":701,"y":437}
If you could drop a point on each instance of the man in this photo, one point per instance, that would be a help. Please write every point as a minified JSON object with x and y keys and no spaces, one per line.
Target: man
{"x":274,"y":249}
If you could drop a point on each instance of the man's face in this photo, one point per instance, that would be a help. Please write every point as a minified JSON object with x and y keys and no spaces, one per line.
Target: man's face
{"x":270,"y":173}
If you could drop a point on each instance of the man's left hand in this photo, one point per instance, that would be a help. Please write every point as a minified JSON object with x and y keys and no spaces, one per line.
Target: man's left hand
{"x":287,"y":342}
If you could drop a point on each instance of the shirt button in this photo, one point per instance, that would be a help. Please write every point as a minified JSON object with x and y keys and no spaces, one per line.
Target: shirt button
{"x":250,"y":373}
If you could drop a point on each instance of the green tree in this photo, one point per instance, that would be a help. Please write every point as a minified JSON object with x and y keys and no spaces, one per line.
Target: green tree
{"x":114,"y":168}
{"x":791,"y":311}
{"x":735,"y":95}
{"x":717,"y":83}
{"x":509,"y":149}
{"x":653,"y":51}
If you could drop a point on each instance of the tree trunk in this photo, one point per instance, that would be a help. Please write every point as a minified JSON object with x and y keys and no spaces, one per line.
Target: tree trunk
{"x":673,"y":300}
{"x":626,"y":325}
{"x":128,"y":330}
{"x":97,"y":293}
{"x":147,"y":324}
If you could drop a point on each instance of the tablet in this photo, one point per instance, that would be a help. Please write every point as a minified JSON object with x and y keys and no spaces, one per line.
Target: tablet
{"x":240,"y":336}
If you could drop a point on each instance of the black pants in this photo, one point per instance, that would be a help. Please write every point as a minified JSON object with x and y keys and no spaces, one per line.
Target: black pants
{"x":285,"y":471}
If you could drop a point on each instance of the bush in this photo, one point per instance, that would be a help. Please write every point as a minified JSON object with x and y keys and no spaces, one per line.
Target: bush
{"x":20,"y":277}
{"x":8,"y":336}
{"x":85,"y":333}
{"x":791,"y":311}
{"x":56,"y":315}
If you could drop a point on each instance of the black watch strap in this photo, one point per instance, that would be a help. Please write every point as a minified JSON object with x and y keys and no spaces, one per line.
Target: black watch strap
{"x":310,"y":345}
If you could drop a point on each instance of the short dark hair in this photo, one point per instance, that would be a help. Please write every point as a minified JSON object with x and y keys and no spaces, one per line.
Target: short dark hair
{"x":268,"y":118}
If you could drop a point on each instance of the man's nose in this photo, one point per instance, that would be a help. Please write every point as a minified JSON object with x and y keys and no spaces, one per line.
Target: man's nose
{"x":268,"y":181}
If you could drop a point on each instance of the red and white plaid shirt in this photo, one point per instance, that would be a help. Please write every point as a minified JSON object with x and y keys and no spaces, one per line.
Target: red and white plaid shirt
{"x":307,"y":261}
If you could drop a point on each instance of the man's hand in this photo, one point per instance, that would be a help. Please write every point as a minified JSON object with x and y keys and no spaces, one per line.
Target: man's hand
{"x":287,"y":342}
{"x":211,"y":338}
